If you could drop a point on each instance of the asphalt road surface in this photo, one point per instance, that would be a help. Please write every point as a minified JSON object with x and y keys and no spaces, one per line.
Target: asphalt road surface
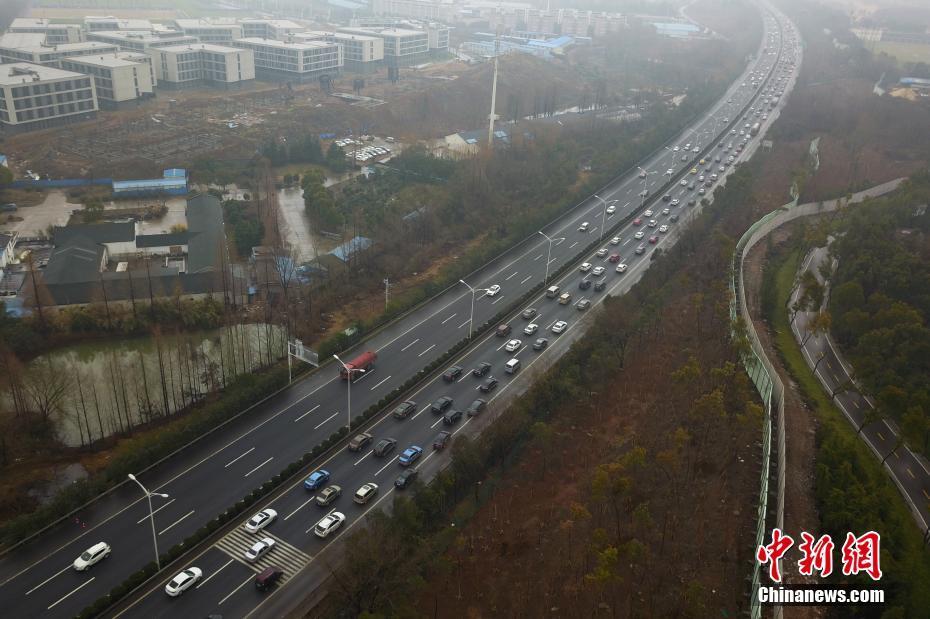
{"x":37,"y":579}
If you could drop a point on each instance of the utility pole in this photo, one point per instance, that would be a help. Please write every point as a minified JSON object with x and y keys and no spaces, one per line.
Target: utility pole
{"x":387,"y":291}
{"x":492,"y":115}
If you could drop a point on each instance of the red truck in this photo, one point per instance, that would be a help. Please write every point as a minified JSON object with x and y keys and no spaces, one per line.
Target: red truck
{"x":364,"y":361}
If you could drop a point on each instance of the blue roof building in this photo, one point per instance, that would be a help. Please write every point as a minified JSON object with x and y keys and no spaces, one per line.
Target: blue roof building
{"x":173,"y":183}
{"x":345,"y":251}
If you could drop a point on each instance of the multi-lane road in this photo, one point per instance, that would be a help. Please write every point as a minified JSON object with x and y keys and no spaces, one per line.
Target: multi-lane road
{"x":36,"y":580}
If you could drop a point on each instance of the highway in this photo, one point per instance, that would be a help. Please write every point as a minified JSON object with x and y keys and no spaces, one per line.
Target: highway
{"x":36,"y":580}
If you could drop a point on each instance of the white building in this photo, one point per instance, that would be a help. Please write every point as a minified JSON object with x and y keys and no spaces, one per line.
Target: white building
{"x":296,"y":61}
{"x":402,"y":47}
{"x":210,"y":31}
{"x":51,"y":55}
{"x":110,"y":23}
{"x":141,"y":41}
{"x":416,"y":9}
{"x":268,"y":28}
{"x":55,"y":34}
{"x":362,"y":53}
{"x":119,"y":81}
{"x":183,"y":66}
{"x":36,"y":97}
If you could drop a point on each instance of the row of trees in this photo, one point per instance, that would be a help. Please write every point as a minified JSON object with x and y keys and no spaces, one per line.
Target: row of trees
{"x":305,"y":148}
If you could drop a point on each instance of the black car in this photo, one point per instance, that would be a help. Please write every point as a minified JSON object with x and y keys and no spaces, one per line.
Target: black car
{"x":584,"y":284}
{"x":599,"y":286}
{"x":442,"y":439}
{"x":452,"y":417}
{"x":404,"y":409}
{"x":452,"y":374}
{"x":692,"y":202}
{"x":483,"y":368}
{"x":405,"y":479}
{"x":540,"y":344}
{"x":666,"y":197}
{"x":475,"y":408}
{"x":440,"y":405}
{"x":488,"y":385}
{"x":385,"y":446}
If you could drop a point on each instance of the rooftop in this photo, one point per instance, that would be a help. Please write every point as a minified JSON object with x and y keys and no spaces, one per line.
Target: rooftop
{"x":77,"y":260}
{"x":64,"y":48}
{"x":29,"y":22}
{"x":97,"y":233}
{"x":24,"y":72}
{"x":340,"y":35}
{"x":301,"y":45}
{"x":204,"y":232}
{"x":18,"y":40}
{"x":204,"y":23}
{"x":109,"y":60}
{"x":276,"y":23}
{"x":207,"y":47}
{"x":378,"y":31}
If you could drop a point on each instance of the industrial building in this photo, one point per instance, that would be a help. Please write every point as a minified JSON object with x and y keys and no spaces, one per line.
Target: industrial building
{"x":36,"y":97}
{"x":293,"y":61}
{"x":55,"y":34}
{"x":119,"y":81}
{"x":361,"y":53}
{"x":184,"y":66}
{"x":209,"y":31}
{"x":549,"y":22}
{"x":402,"y":46}
{"x":172,"y":183}
{"x":269,"y":28}
{"x":51,"y":55}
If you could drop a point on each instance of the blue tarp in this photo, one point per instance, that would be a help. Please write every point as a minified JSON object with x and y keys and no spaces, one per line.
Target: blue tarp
{"x":62,"y":182}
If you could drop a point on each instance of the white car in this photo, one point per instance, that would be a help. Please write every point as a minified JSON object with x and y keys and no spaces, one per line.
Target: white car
{"x":602,"y":252}
{"x":559,"y":326}
{"x":585,"y":267}
{"x":639,"y":234}
{"x":93,"y":555}
{"x":259,"y":549}
{"x":666,"y":211}
{"x":611,"y":209}
{"x":364,"y":494}
{"x":652,"y":223}
{"x":648,"y":213}
{"x":583,"y":227}
{"x":183,"y":581}
{"x":621,"y":268}
{"x":513,"y":345}
{"x":493,"y":290}
{"x":328,"y":524}
{"x":676,"y":149}
{"x":663,"y":228}
{"x":695,"y":150}
{"x":531,"y":328}
{"x":260,"y":520}
{"x":683,"y":183}
{"x":669,"y":172}
{"x":598,"y":271}
{"x":615,"y":240}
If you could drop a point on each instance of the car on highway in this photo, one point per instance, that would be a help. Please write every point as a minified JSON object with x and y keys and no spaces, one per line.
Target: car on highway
{"x":441,"y":404}
{"x":513,"y":345}
{"x":259,"y":549}
{"x":652,"y":223}
{"x":268,"y":577}
{"x":488,"y":384}
{"x":673,"y":217}
{"x":615,"y":240}
{"x":90,"y":557}
{"x":583,"y":305}
{"x":317,"y":479}
{"x":261,"y":520}
{"x":669,"y":172}
{"x":621,"y":268}
{"x":602,"y":252}
{"x":693,"y":171}
{"x":598,"y":271}
{"x":683,"y":183}
{"x":585,"y":267}
{"x":359,"y":441}
{"x":406,"y":479}
{"x":483,"y":368}
{"x":529,"y":313}
{"x":584,"y":284}
{"x":384,"y":447}
{"x":476,"y":407}
{"x":410,"y":455}
{"x":614,"y":258}
{"x":502,"y":330}
{"x":638,"y":221}
{"x":328,"y":494}
{"x":452,"y":374}
{"x":640,"y":249}
{"x":648,"y":213}
{"x":404,"y":409}
{"x":183,"y":581}
{"x":329,"y":524}
{"x":559,"y":326}
{"x":611,"y":209}
{"x":653,"y":239}
{"x":531,"y":328}
{"x":564,"y":298}
{"x":452,"y":417}
{"x":493,"y":290}
{"x":695,"y":150}
{"x":642,"y":174}
{"x":583,"y":227}
{"x":639,"y":234}
{"x":692,"y":202}
{"x":540,"y":344}
{"x":663,"y":228}
{"x":676,"y":149}
{"x":365,"y":493}
{"x":442,"y":440}
{"x":701,"y":191}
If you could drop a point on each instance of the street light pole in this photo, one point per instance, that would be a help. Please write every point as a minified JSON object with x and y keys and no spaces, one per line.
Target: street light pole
{"x":471,"y":317}
{"x":549,"y":254}
{"x":603,"y":216}
{"x":642,"y":196}
{"x":348,"y":389}
{"x":149,"y":495}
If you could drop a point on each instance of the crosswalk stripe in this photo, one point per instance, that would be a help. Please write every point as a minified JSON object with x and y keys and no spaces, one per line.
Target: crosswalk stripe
{"x":284,"y":555}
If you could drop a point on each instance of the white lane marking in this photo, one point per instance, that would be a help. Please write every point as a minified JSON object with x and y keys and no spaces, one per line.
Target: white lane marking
{"x":155,"y":511}
{"x":389,"y":463}
{"x":247,"y":581}
{"x":438,"y":421}
{"x":300,"y":507}
{"x":537,"y":257}
{"x":381,"y":383}
{"x":449,"y":318}
{"x":409,"y":345}
{"x":307,"y":413}
{"x":560,"y":241}
{"x":215,"y":572}
{"x":427,"y":350}
{"x":464,"y":323}
{"x":627,"y":241}
{"x":421,"y":411}
{"x":322,"y":423}
{"x":625,"y":205}
{"x":67,"y":595}
{"x":592,"y":230}
{"x":526,"y":280}
{"x":170,"y":526}
{"x":511,"y":275}
{"x":239,"y":457}
{"x":68,"y":567}
{"x":464,"y":376}
{"x":370,"y":451}
{"x":265,"y":462}
{"x":499,"y":297}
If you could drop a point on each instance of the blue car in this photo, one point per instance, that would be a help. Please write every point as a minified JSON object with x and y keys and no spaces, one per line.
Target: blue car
{"x":410,"y":455}
{"x":316,"y":479}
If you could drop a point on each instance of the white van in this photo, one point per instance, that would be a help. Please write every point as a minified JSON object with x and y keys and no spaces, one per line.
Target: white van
{"x":552,"y":292}
{"x":512,"y":366}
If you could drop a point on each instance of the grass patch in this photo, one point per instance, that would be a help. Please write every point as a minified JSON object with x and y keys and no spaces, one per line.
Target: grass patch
{"x":852,"y":491}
